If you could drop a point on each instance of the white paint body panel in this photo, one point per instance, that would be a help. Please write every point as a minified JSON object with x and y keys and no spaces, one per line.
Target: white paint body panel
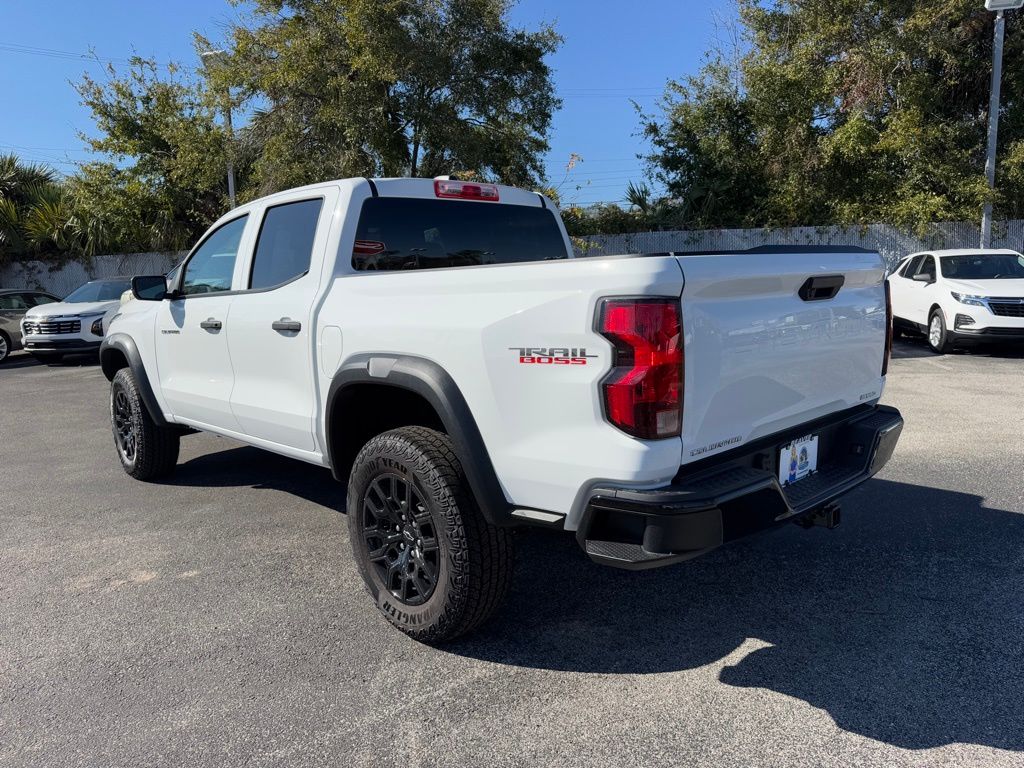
{"x":757,"y":358}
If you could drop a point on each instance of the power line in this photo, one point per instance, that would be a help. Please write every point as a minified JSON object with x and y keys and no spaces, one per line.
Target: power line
{"x":53,"y":53}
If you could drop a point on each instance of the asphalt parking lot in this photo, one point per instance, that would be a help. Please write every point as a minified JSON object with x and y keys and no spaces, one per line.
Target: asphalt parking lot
{"x":217,"y":619}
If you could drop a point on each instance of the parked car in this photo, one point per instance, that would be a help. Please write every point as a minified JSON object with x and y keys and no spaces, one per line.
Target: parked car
{"x":76,"y":324}
{"x":14,"y":303}
{"x":436,"y":345}
{"x":960,"y":297}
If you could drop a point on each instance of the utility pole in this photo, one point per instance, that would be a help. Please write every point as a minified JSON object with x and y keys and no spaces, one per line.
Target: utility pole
{"x":213,"y":56}
{"x":993,"y":109}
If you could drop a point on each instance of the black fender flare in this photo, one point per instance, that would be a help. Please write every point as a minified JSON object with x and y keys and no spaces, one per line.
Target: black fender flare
{"x":435,"y":385}
{"x":125,"y":344}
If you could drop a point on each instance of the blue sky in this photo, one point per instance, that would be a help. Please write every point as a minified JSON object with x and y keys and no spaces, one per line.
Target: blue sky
{"x":612,"y":53}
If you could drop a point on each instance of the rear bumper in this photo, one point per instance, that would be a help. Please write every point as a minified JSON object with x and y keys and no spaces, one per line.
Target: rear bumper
{"x":736,"y":496}
{"x":65,"y":346}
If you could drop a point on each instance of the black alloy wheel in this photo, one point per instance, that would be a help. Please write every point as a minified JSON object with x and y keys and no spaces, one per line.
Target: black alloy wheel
{"x":401,"y":542}
{"x":124,"y":425}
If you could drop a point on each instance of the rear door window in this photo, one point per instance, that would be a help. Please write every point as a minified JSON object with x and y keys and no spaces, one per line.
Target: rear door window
{"x":397,"y":233}
{"x":285,"y":244}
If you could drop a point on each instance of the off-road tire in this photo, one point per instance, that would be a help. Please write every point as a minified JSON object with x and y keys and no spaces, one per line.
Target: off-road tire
{"x":155,"y":449}
{"x":474,"y":558}
{"x":940,"y":342}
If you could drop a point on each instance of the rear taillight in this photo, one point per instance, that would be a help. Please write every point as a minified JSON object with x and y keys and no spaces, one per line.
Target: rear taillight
{"x":888,"y":329}
{"x":466,"y":190}
{"x":643,"y":393}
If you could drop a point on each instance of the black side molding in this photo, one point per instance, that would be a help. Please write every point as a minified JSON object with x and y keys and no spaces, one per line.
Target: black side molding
{"x":125,"y":344}
{"x":430,"y":381}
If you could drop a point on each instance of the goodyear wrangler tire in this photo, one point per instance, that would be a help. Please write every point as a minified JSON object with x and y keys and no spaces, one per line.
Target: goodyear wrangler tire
{"x":433,"y":565}
{"x":147,"y":451}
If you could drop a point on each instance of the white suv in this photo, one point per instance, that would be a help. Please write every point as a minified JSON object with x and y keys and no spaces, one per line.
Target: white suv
{"x":960,"y":297}
{"x":75,"y":325}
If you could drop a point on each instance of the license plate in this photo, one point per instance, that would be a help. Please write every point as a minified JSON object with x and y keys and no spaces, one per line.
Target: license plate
{"x":798,"y":459}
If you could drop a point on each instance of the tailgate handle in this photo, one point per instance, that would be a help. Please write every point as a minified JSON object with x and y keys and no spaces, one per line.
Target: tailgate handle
{"x":821,"y":288}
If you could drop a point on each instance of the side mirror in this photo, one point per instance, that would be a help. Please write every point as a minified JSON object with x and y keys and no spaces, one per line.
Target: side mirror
{"x":923,"y":277}
{"x":149,"y":288}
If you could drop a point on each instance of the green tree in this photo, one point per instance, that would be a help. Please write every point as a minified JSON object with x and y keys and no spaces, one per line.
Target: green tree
{"x":159,"y":180}
{"x":845,"y":111}
{"x":30,"y":197}
{"x":390,"y":87}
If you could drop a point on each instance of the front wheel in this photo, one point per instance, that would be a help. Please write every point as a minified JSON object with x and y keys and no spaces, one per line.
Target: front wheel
{"x":5,"y":346}
{"x":938,"y":335}
{"x":147,"y":451}
{"x":434,"y":566}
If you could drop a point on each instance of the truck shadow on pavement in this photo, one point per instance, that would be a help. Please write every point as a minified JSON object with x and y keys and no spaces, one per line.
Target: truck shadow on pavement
{"x":906,"y":624}
{"x":248,"y":467}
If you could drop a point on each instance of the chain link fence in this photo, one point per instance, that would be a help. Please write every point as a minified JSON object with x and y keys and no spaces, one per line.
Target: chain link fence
{"x":62,"y":280}
{"x":891,"y":242}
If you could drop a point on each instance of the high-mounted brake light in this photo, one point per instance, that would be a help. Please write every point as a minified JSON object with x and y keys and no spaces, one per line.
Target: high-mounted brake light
{"x":466,"y":190}
{"x":888,"y":328}
{"x":368,"y":247}
{"x":643,"y":393}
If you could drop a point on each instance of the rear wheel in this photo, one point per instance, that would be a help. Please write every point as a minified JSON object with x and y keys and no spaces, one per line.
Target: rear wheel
{"x":147,"y":451}
{"x":938,"y":336}
{"x":5,"y":346}
{"x":434,"y":566}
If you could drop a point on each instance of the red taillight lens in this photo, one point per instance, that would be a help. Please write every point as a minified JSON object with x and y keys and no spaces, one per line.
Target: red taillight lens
{"x":466,"y":190}
{"x":888,"y":329}
{"x":643,"y":394}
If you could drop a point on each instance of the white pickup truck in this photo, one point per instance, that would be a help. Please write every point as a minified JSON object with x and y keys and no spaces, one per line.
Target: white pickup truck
{"x":435,"y":344}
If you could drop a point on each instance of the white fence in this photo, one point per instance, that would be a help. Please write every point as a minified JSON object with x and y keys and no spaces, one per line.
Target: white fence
{"x":892,"y":243}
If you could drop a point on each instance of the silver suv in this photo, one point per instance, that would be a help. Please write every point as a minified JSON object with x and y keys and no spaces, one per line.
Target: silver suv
{"x":13,"y":305}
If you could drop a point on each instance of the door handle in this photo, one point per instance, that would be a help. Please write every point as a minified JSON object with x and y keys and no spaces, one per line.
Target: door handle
{"x":286,"y":324}
{"x":211,"y":325}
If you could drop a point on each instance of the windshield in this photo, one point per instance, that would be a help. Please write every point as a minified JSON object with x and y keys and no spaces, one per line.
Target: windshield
{"x":98,"y":290}
{"x":999,"y":266}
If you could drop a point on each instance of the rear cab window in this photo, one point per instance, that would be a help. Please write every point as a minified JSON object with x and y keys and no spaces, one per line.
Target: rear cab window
{"x":399,"y":233}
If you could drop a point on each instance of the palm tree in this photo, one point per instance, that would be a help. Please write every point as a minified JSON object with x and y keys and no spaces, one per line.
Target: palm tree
{"x":35,"y":214}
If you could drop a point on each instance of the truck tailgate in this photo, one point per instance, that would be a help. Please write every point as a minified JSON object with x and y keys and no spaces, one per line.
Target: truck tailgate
{"x":760,"y":358}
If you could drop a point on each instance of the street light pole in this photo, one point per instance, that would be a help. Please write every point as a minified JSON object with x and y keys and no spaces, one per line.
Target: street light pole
{"x":207,"y":57}
{"x":231,"y":144}
{"x":993,"y":126}
{"x":993,"y":108}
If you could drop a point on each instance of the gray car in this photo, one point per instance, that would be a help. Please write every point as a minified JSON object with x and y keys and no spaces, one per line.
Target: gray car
{"x":14,"y":303}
